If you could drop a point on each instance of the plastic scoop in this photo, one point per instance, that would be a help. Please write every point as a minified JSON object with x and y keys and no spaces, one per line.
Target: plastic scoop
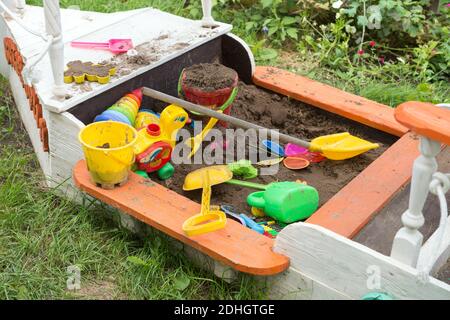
{"x":273,"y":147}
{"x":216,"y":175}
{"x":312,"y":157}
{"x":196,"y":141}
{"x":269,"y":162}
{"x":209,"y":219}
{"x":116,"y":46}
{"x":295,"y":163}
{"x":292,"y":150}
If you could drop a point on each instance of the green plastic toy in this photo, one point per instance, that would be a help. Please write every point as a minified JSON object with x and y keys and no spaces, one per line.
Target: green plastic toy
{"x":166,"y":172}
{"x":287,"y":201}
{"x":244,"y":169}
{"x":143,"y":174}
{"x":377,"y":296}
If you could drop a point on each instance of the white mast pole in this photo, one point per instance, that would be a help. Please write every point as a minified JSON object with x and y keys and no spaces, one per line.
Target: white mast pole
{"x":53,"y":27}
{"x":208,"y":20}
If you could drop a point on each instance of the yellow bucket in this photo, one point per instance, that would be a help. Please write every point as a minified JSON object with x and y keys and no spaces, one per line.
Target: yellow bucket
{"x":108,"y":149}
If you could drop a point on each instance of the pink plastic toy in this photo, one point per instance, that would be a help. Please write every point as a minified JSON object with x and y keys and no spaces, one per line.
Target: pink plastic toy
{"x":116,"y":46}
{"x":293,"y":150}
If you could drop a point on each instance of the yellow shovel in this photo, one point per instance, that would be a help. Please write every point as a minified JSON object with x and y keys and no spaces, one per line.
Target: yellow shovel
{"x":341,"y":146}
{"x":338,"y":146}
{"x":196,"y":141}
{"x":210,"y":218}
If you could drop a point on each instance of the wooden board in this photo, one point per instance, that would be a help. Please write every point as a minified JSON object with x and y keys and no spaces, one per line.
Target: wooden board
{"x":350,"y":268}
{"x":362,"y":110}
{"x":354,"y":206}
{"x":426,"y":120}
{"x":235,"y":245}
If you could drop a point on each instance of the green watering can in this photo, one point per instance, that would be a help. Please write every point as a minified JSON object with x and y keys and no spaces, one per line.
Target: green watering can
{"x":286,"y":201}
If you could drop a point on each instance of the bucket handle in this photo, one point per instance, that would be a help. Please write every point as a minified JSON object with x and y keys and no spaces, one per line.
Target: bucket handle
{"x":120,"y":160}
{"x":256,"y":199}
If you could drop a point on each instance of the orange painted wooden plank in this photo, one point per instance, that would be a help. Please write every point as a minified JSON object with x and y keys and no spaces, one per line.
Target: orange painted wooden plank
{"x":235,"y":245}
{"x":425,"y":119}
{"x":370,"y":113}
{"x":353,"y":207}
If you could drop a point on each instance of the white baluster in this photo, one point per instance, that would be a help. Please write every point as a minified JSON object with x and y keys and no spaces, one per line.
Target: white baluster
{"x":208,"y":20}
{"x":408,"y":240}
{"x":20,"y":6}
{"x":53,"y":27}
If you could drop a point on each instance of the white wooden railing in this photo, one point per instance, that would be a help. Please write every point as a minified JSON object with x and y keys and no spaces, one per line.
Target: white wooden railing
{"x":208,"y":20}
{"x":52,"y":36}
{"x":407,"y":246}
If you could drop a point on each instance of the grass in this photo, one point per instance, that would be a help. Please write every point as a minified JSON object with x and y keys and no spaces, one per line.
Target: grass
{"x":41,"y":234}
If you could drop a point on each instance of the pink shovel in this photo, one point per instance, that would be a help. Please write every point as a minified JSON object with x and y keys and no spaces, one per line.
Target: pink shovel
{"x":116,"y":46}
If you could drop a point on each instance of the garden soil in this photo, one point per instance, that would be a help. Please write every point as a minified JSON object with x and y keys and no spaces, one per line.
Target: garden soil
{"x":209,"y":77}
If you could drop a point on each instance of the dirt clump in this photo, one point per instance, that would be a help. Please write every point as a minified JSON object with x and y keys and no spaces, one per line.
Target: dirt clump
{"x":209,"y":77}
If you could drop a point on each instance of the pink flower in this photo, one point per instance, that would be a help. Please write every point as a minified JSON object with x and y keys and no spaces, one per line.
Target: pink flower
{"x":372,"y":43}
{"x":360,"y":52}
{"x":381,"y":60}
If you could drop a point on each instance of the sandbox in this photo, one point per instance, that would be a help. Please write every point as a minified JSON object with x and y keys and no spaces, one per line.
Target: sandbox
{"x":308,"y":260}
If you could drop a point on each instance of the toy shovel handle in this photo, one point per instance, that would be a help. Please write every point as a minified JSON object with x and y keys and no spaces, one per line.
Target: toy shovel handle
{"x":256,"y":199}
{"x":82,"y":44}
{"x":247,"y":184}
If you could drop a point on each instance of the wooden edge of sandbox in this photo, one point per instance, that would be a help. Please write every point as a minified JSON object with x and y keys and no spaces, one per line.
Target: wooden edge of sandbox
{"x":236,"y":246}
{"x":425,"y":119}
{"x":317,"y":94}
{"x":348,"y":211}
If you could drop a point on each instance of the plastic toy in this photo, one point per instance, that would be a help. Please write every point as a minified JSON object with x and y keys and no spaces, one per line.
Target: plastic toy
{"x":157,"y":140}
{"x":196,"y":142}
{"x":242,"y":218}
{"x":259,"y":213}
{"x":216,"y":175}
{"x":295,"y":163}
{"x":291,"y":150}
{"x":286,"y":201}
{"x":312,"y":157}
{"x":269,"y":162}
{"x":229,"y":211}
{"x":145,"y":117}
{"x":108,"y":149}
{"x":244,"y":169}
{"x":166,"y":171}
{"x":78,"y":72}
{"x":116,"y":46}
{"x":143,"y":174}
{"x":377,"y":296}
{"x":341,"y":146}
{"x":210,"y":218}
{"x":125,"y":110}
{"x":273,"y":147}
